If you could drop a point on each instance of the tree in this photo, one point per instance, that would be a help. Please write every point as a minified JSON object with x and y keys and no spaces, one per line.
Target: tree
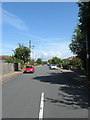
{"x":65,"y":65}
{"x":22,"y":52}
{"x":10,"y":59}
{"x":39,"y":61}
{"x":44,"y":62}
{"x":76,"y":63}
{"x":78,"y":44}
{"x":55,"y":60}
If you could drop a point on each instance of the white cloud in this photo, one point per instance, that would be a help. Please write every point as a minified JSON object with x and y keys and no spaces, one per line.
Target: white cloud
{"x":45,"y":54}
{"x":48,"y":55}
{"x":13,"y":20}
{"x":33,"y":55}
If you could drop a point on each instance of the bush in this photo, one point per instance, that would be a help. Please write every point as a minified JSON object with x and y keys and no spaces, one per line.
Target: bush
{"x":10,"y":59}
{"x":20,"y":61}
{"x":31,"y":62}
{"x":77,"y":63}
{"x":65,"y":65}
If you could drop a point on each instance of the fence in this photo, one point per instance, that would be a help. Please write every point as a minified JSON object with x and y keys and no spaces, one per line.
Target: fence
{"x":8,"y":67}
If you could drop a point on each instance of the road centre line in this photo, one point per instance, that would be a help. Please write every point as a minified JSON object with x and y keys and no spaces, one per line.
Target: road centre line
{"x":41,"y":107}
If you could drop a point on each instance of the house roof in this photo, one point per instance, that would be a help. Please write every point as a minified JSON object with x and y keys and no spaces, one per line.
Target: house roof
{"x":69,"y":58}
{"x":3,"y":57}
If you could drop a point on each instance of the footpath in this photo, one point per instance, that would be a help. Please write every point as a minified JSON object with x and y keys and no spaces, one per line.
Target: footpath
{"x":76,"y":75}
{"x":9,"y":75}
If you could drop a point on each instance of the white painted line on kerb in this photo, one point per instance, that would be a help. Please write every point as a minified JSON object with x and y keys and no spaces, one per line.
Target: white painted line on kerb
{"x":41,"y":107}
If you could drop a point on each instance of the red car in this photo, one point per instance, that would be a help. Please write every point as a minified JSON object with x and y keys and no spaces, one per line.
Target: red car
{"x":29,"y":68}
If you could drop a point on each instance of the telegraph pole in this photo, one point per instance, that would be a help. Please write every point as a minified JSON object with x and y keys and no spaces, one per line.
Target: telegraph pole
{"x":87,"y":58}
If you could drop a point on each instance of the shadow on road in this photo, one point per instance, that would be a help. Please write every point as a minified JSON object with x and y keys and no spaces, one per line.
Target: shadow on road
{"x":74,"y":93}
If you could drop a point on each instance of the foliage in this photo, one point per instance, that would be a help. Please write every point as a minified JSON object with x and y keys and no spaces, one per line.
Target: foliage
{"x":22,"y":52}
{"x":39,"y":61}
{"x":32,"y":62}
{"x":10,"y":59}
{"x":44,"y":62}
{"x":76,"y":63}
{"x":78,"y":44}
{"x":84,"y":14}
{"x":65,"y":65}
{"x":55,"y":60}
{"x":26,"y":64}
{"x":19,"y":61}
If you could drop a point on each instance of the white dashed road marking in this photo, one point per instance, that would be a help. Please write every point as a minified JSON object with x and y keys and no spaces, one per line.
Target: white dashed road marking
{"x":41,"y":107}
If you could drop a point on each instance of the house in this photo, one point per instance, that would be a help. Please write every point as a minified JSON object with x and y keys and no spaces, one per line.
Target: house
{"x":68,"y":59}
{"x":3,"y":57}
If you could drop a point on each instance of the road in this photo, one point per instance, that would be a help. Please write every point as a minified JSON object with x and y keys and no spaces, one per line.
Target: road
{"x":53,"y":92}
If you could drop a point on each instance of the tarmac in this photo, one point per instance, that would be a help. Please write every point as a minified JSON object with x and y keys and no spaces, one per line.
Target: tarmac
{"x":12,"y":74}
{"x":75,"y":75}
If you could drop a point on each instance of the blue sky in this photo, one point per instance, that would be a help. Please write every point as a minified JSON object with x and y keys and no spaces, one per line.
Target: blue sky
{"x":48,"y":25}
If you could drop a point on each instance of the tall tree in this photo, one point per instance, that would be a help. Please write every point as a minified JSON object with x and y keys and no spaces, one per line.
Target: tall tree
{"x":39,"y":61}
{"x":55,"y":60}
{"x":78,"y":45}
{"x":22,"y":52}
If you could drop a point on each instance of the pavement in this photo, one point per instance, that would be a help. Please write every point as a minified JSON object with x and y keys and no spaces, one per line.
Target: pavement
{"x":12,"y":74}
{"x":75,"y":75}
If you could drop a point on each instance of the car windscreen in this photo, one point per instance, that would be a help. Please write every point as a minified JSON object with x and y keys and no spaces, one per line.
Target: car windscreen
{"x":53,"y":65}
{"x":28,"y":66}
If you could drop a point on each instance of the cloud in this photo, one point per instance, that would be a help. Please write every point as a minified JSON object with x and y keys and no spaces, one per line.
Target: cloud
{"x":33,"y":55}
{"x":45,"y":54}
{"x":13,"y":20}
{"x":48,"y":55}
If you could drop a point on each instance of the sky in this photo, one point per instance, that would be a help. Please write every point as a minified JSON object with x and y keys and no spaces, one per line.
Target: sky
{"x":49,"y":26}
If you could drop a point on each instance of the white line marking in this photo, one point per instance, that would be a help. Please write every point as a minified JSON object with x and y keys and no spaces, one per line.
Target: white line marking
{"x":41,"y":107}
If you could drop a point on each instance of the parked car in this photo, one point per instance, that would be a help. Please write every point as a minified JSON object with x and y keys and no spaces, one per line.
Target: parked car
{"x":53,"y":66}
{"x":29,"y":68}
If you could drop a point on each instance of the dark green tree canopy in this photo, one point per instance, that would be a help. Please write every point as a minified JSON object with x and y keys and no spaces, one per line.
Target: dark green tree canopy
{"x":39,"y":61}
{"x":22,"y":52}
{"x":78,"y":43}
{"x":10,"y":59}
{"x":84,"y":14}
{"x":55,"y":60}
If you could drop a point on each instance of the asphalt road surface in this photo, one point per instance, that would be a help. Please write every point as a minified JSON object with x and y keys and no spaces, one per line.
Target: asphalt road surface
{"x":45,"y":93}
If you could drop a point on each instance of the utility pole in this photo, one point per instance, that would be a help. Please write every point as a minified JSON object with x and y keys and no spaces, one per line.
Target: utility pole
{"x":33,"y":51}
{"x":87,"y":59}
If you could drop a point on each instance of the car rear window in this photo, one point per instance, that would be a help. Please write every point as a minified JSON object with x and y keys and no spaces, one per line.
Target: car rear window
{"x":28,"y":66}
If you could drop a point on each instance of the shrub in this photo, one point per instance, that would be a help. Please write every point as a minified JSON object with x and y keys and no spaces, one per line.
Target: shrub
{"x":65,"y":65}
{"x":10,"y":59}
{"x":77,"y":63}
{"x":20,"y":61}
